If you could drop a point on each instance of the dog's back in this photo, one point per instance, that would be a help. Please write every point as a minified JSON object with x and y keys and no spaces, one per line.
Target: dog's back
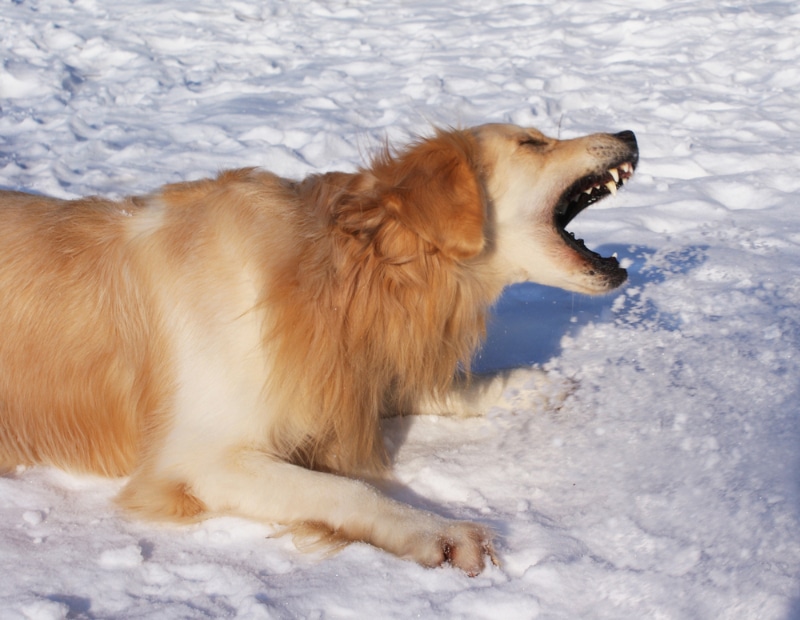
{"x":77,"y":361}
{"x":105,"y":306}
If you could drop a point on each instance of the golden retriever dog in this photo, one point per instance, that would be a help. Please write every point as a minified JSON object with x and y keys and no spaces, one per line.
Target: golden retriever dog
{"x":231,"y":345}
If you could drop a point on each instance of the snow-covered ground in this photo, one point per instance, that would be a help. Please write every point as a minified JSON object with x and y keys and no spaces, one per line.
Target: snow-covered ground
{"x":667,"y":485}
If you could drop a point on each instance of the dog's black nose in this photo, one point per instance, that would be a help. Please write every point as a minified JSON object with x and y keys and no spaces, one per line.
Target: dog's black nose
{"x":629,"y":138}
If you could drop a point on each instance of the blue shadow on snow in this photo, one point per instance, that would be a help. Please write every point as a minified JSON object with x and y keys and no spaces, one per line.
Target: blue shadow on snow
{"x":528,"y":322}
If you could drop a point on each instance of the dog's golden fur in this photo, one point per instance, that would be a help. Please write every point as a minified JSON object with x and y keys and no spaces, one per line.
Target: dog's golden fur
{"x":232,"y":344}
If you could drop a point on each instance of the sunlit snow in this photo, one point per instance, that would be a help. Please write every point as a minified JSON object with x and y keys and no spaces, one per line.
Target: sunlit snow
{"x":666,"y":485}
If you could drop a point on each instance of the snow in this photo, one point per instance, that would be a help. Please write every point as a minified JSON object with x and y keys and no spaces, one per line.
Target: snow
{"x":667,"y":483}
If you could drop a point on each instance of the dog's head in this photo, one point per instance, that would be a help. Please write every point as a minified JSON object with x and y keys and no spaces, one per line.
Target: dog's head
{"x":504,"y":195}
{"x":536,"y":186}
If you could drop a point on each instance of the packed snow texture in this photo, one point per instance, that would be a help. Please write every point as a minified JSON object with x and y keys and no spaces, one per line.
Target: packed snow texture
{"x":667,"y":482}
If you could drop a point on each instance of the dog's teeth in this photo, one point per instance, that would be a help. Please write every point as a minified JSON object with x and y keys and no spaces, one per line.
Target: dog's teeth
{"x":614,"y":175}
{"x":626,"y":168}
{"x":612,"y":187}
{"x":588,"y":190}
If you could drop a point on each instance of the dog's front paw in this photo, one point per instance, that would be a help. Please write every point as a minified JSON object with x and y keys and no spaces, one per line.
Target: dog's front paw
{"x":460,"y":544}
{"x":535,"y":389}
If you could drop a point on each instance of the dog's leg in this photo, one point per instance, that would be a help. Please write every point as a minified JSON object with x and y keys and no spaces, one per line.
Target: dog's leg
{"x":468,"y":397}
{"x":520,"y":388}
{"x":254,"y":485}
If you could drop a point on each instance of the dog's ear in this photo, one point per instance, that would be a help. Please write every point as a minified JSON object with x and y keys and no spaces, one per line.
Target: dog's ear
{"x":434,"y":191}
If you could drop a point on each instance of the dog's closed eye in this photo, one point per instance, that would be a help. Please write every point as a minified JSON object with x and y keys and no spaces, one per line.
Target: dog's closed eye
{"x":533,"y":142}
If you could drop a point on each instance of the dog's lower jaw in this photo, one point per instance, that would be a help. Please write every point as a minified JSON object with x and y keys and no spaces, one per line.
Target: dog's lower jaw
{"x":585,"y":282}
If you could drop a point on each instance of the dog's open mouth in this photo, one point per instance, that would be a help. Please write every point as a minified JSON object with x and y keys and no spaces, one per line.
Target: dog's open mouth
{"x":584,"y":192}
